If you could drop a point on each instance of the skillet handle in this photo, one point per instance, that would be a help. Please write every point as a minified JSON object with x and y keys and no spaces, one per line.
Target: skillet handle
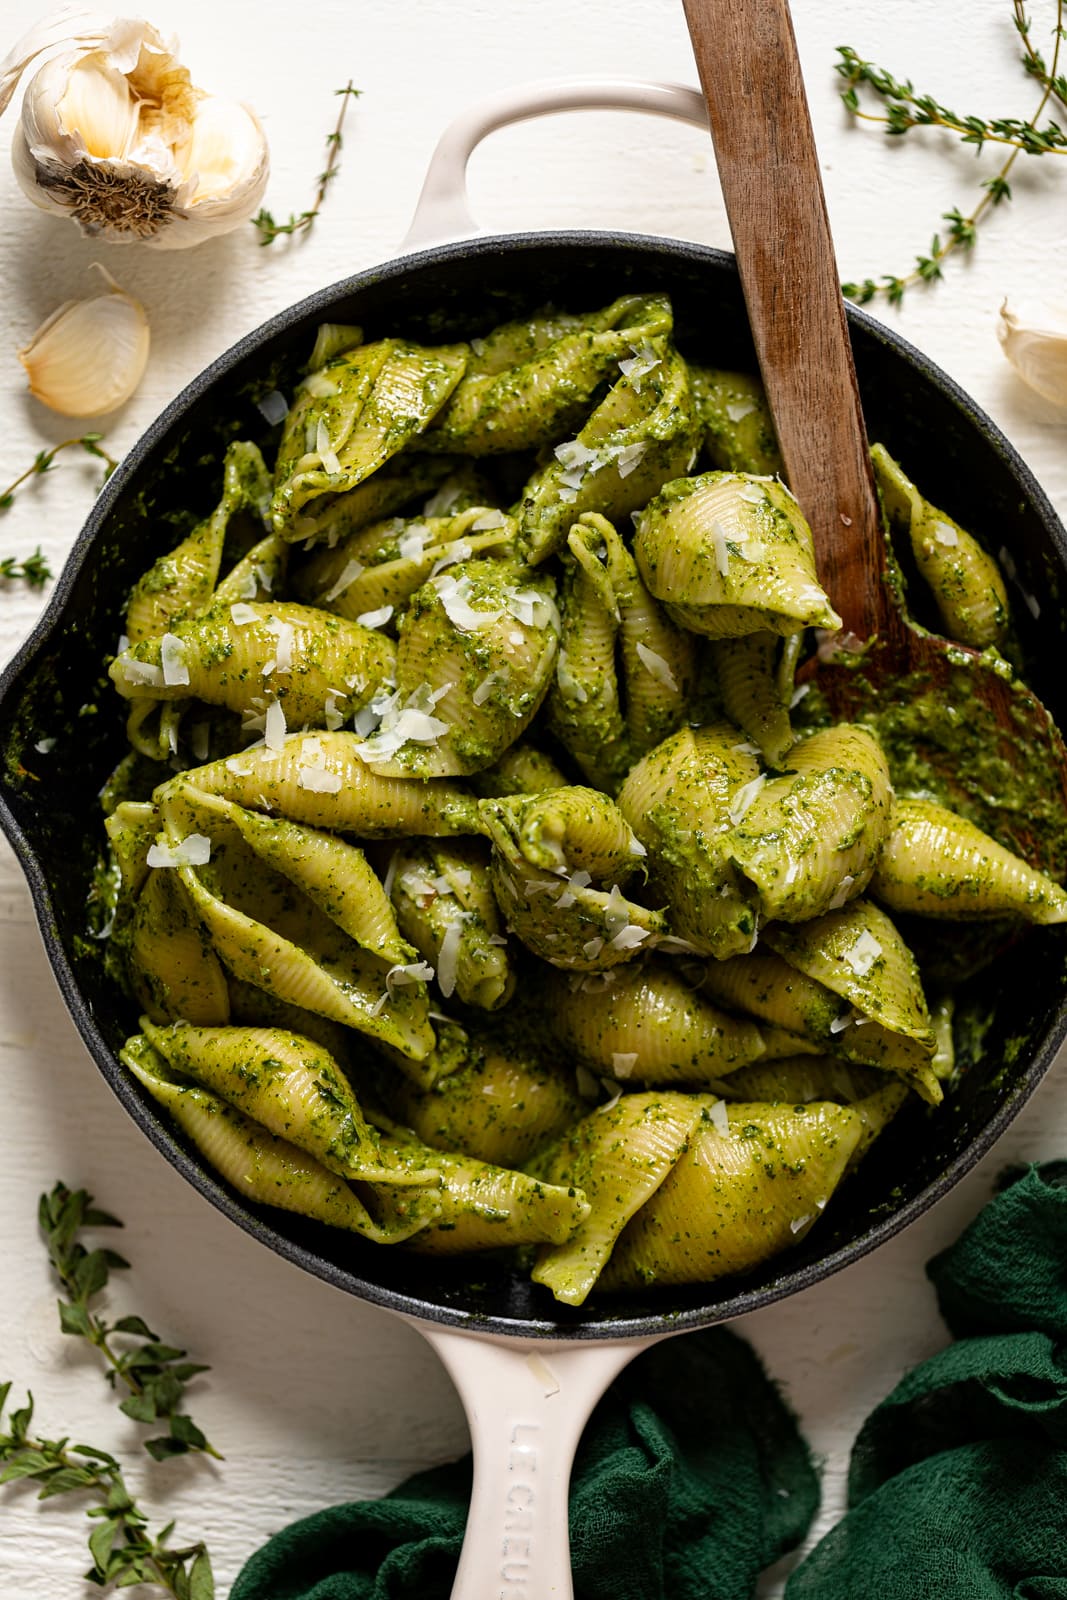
{"x":443,"y":211}
{"x":527,"y":1402}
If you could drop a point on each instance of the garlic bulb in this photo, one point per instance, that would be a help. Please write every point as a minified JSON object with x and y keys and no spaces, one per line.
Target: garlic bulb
{"x":89,"y":356}
{"x":114,"y":134}
{"x":1035,"y":342}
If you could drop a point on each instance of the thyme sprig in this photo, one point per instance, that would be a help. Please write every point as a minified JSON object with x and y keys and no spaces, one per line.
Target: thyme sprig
{"x":155,"y":1374}
{"x":33,"y":570}
{"x":300,"y":222}
{"x":906,"y":109}
{"x":153,"y":1377}
{"x":44,"y":459}
{"x":123,"y":1550}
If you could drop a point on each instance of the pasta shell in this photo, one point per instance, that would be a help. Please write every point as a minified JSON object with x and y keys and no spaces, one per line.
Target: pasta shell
{"x":799,"y":1080}
{"x":752,"y":690}
{"x":520,"y":770}
{"x":350,"y":416}
{"x":258,"y":575}
{"x":242,"y":656}
{"x":173,"y":969}
{"x":565,"y":830}
{"x":486,"y":1207}
{"x":739,"y":429}
{"x":477,"y":645}
{"x":507,"y":1101}
{"x":937,"y":864}
{"x":584,"y":709}
{"x":618,"y":1156}
{"x":321,"y":780}
{"x":809,"y":840}
{"x":131,"y":828}
{"x":643,"y":433}
{"x":648,"y":1026}
{"x":398,"y":484}
{"x":444,"y":904}
{"x":677,"y":800}
{"x":181,"y":583}
{"x":266,"y":1169}
{"x":290,"y":1086}
{"x":490,"y":410}
{"x":739,"y":1197}
{"x":964,"y":579}
{"x":384,"y":564}
{"x":258,"y":1009}
{"x":730,"y":554}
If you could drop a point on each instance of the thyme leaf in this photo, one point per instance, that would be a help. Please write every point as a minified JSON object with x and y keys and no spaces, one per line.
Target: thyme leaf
{"x":33,"y":570}
{"x":903,"y":109}
{"x":44,"y":459}
{"x":265,"y":223}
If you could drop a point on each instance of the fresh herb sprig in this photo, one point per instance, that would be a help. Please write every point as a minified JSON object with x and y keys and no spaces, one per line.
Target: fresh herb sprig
{"x":152,"y":1376}
{"x":123,"y":1550}
{"x":300,"y":222}
{"x":44,"y":459}
{"x":906,"y":109}
{"x":34,"y":570}
{"x":155,"y":1374}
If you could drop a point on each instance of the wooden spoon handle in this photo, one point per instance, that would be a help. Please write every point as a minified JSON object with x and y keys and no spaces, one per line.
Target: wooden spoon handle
{"x":747,"y":58}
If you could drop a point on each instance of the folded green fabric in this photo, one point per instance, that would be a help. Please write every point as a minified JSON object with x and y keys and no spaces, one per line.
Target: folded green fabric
{"x":958,"y":1481}
{"x":691,"y":1477}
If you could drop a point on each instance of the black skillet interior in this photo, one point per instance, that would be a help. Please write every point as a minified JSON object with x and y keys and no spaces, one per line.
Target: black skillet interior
{"x":56,"y":688}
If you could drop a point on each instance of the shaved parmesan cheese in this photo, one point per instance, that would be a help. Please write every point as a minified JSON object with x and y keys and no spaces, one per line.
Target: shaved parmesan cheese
{"x":332,"y":714}
{"x":193,"y":851}
{"x":284,"y":634}
{"x":753,"y":496}
{"x":455,"y":597}
{"x":140,"y":674}
{"x":738,"y":410}
{"x":630,"y":456}
{"x":413,"y":543}
{"x":722,"y":554}
{"x":485,"y":688}
{"x":839,"y":1024}
{"x":798,"y":695}
{"x":274,"y":407}
{"x":448,"y":957}
{"x":720,"y":1118}
{"x":629,"y":938}
{"x":399,"y":725}
{"x":577,"y":880}
{"x":842,"y":892}
{"x":623,"y":1062}
{"x":375,"y":619}
{"x":657,"y":666}
{"x":616,"y":912}
{"x":44,"y":746}
{"x":274,"y":726}
{"x":643,"y":361}
{"x":636,"y":848}
{"x":946,"y":534}
{"x":569,"y":686}
{"x":172,"y":656}
{"x":325,"y":451}
{"x":488,"y":520}
{"x":242,"y":615}
{"x":316,"y":780}
{"x":459,"y":551}
{"x":349,"y":573}
{"x":319,"y":385}
{"x":863,"y":954}
{"x":263,"y":577}
{"x":800,"y":1222}
{"x":592,"y":948}
{"x":743,"y":799}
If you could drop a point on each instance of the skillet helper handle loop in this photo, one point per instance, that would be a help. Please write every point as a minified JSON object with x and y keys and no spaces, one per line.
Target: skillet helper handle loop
{"x":443,"y":210}
{"x":527,"y":1403}
{"x":768,"y":167}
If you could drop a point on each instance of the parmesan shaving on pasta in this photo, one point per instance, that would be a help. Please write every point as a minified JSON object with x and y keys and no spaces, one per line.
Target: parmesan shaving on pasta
{"x":623,"y":1062}
{"x":636,"y":367}
{"x":448,"y":958}
{"x":577,"y":880}
{"x":193,"y":851}
{"x":722,"y":554}
{"x":319,"y":386}
{"x":720,"y":1118}
{"x":738,"y":410}
{"x":863,"y":954}
{"x":489,"y":520}
{"x":172,"y":657}
{"x":349,"y":573}
{"x":140,"y":673}
{"x":659,"y":668}
{"x":743,"y":799}
{"x":242,"y":615}
{"x":274,"y":407}
{"x":413,"y":543}
{"x":946,"y":534}
{"x":325,"y":451}
{"x":313,"y":774}
{"x":455,"y":597}
{"x":842,"y":892}
{"x":285,"y":635}
{"x":274,"y":726}
{"x":460,"y":551}
{"x":375,"y":619}
{"x":630,"y":456}
{"x":629,"y":938}
{"x":398,"y":725}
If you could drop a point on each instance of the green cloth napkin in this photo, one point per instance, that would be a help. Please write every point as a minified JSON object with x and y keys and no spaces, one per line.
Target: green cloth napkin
{"x":958,"y":1481}
{"x":691,"y":1477}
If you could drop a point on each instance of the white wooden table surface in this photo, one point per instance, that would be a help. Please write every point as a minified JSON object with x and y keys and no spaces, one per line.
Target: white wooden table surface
{"x":313,"y":1397}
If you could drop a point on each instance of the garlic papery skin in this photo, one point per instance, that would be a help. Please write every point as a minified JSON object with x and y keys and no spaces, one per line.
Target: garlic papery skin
{"x":1035,"y":342}
{"x":90,"y":355}
{"x":114,"y":134}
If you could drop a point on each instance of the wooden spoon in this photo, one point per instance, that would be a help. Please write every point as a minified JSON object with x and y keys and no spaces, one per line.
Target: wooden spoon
{"x":1005,"y":765}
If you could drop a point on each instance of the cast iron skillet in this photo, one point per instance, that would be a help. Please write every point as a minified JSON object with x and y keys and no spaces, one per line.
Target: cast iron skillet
{"x":56,"y":688}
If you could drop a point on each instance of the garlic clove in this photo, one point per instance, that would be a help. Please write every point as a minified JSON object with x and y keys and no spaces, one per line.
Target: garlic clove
{"x":90,"y":355}
{"x":1035,"y":342}
{"x":221,"y":153}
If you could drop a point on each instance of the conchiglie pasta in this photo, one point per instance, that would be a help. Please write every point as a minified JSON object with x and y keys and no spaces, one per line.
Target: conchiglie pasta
{"x":739,"y":431}
{"x":444,"y":903}
{"x":738,"y":1196}
{"x":937,"y":864}
{"x":730,"y":554}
